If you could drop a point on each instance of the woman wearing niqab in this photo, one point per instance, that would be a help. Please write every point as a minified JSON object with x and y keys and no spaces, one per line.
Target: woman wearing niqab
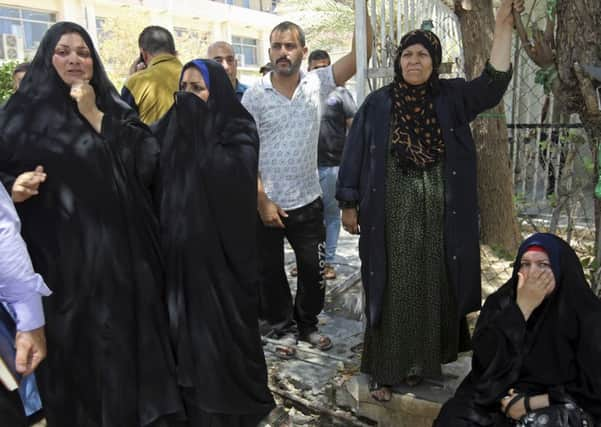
{"x":550,"y":353}
{"x":208,"y":210}
{"x":93,"y":236}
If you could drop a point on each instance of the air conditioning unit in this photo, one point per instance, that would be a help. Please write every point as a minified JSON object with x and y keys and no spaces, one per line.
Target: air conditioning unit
{"x":11,"y":48}
{"x":240,"y":60}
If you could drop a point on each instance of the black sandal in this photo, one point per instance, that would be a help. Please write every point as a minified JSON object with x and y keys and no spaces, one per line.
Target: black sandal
{"x":320,"y":342}
{"x":284,"y":348}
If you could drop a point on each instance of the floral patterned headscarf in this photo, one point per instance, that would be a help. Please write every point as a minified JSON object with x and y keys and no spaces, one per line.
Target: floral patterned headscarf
{"x":416,"y":135}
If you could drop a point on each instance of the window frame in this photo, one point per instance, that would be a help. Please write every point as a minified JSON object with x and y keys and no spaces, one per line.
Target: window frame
{"x":243,"y":43}
{"x":20,"y":22}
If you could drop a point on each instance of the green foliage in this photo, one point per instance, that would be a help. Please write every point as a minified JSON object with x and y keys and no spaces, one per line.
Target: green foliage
{"x":519,"y":200}
{"x":502,"y":253}
{"x":551,"y":8}
{"x":118,"y":44}
{"x":589,"y":265}
{"x":6,"y":80}
{"x":545,"y":77}
{"x":588,"y":164}
{"x":328,"y":24}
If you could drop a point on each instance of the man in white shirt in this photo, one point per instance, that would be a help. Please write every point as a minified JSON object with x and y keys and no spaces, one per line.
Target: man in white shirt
{"x":286,"y":105}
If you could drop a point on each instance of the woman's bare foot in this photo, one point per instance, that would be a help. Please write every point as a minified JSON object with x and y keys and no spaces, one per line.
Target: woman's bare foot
{"x":382,"y":394}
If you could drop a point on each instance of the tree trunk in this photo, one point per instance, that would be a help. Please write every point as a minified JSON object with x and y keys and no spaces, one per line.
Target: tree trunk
{"x":578,"y":35}
{"x":499,"y":227}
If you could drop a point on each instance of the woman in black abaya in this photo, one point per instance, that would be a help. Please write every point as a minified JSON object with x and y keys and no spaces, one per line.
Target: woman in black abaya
{"x":208,"y":209}
{"x":537,"y":344}
{"x":92,"y":234}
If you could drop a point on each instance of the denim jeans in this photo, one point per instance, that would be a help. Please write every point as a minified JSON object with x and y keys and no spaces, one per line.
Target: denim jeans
{"x":331,"y":213}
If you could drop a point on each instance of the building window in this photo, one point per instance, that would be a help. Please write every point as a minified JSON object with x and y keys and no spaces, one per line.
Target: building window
{"x":245,"y":50}
{"x":29,"y":25}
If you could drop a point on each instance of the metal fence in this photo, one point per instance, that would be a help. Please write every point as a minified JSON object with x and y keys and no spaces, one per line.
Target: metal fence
{"x":550,"y":156}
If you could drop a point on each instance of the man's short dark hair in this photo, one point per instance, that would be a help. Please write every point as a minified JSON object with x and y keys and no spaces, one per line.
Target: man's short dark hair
{"x":266,"y":68}
{"x":318,"y":55}
{"x":155,"y":40}
{"x":289,"y":26}
{"x":21,"y":68}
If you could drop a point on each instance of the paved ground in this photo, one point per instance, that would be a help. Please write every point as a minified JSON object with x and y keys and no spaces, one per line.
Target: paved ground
{"x":326,"y":388}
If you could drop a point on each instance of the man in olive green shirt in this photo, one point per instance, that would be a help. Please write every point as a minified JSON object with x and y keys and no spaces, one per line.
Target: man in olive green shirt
{"x":150,"y":91}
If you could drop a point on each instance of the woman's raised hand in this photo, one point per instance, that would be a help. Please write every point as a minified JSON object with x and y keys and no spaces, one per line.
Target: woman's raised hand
{"x":533,"y":288}
{"x":27,"y":184}
{"x":505,"y":12}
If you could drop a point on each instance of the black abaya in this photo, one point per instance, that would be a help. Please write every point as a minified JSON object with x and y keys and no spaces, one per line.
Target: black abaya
{"x":208,"y":209}
{"x":93,"y":236}
{"x":556,"y":351}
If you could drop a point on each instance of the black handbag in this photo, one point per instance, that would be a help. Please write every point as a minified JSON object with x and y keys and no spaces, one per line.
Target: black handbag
{"x":567,"y":414}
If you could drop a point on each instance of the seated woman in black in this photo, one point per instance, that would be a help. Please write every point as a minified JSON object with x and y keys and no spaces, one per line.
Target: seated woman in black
{"x":537,"y":344}
{"x":208,"y":212}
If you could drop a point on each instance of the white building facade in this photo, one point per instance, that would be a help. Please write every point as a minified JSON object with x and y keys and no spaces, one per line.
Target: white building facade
{"x":245,"y":24}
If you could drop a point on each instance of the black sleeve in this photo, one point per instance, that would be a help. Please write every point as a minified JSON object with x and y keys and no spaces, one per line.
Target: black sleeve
{"x":485,"y":91}
{"x":498,"y":341}
{"x":136,"y":146}
{"x":127,"y":96}
{"x":587,"y":390}
{"x":8,"y":179}
{"x":349,"y":175}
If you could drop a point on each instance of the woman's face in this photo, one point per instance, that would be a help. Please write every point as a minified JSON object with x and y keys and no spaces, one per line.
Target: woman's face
{"x":72,"y":59}
{"x":416,"y":64}
{"x":193,"y":82}
{"x":534,"y":262}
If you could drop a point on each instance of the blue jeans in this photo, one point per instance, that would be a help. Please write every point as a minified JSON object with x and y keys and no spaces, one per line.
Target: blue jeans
{"x":331,"y":213}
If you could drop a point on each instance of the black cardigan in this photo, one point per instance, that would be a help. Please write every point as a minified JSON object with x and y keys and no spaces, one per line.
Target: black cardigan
{"x":362,"y":179}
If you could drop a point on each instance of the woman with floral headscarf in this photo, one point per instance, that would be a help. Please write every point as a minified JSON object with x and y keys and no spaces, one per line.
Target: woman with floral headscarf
{"x":537,"y":347}
{"x":408,"y":182}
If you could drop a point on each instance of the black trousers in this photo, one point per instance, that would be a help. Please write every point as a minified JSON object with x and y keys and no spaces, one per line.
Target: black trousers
{"x":305,"y":231}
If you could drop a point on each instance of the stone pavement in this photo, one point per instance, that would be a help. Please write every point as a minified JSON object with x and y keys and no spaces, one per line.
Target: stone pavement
{"x":326,"y":388}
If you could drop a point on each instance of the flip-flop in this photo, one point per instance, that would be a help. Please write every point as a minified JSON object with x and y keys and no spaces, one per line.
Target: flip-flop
{"x":321,"y":342}
{"x":284,"y":350}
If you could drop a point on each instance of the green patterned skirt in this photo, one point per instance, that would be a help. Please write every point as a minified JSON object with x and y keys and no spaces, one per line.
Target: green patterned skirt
{"x":420,"y":328}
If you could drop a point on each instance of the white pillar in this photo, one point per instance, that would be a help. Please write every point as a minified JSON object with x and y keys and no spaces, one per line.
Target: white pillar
{"x":90,"y":21}
{"x":361,"y":51}
{"x":73,"y":10}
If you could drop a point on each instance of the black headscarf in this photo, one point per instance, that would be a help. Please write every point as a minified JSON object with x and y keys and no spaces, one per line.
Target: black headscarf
{"x":208,"y":211}
{"x":416,"y":135}
{"x":42,"y":82}
{"x":557,"y":350}
{"x":93,"y":235}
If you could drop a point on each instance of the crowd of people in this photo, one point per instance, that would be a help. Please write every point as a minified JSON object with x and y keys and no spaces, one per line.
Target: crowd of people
{"x":152,"y":222}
